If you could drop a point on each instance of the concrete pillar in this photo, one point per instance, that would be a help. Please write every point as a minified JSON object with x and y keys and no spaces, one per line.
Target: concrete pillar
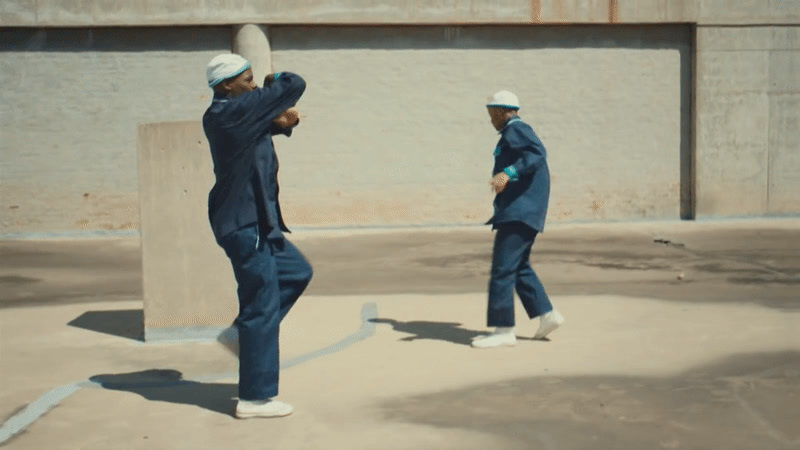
{"x":251,"y":41}
{"x":189,"y":287}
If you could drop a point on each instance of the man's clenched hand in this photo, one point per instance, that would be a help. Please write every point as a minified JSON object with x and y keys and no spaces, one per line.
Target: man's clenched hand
{"x":499,"y":182}
{"x":288,"y":119}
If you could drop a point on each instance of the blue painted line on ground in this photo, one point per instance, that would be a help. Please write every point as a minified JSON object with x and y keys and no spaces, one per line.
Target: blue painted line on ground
{"x":38,"y":408}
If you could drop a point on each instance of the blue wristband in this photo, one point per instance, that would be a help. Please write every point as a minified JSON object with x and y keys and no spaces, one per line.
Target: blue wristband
{"x":511,"y":171}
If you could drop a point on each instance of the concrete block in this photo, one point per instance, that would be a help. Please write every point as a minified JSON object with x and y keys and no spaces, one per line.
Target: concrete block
{"x":18,"y":13}
{"x":784,"y":152}
{"x":59,"y":13}
{"x":712,"y":38}
{"x":732,"y":154}
{"x":685,"y":11}
{"x":578,"y":11}
{"x":656,"y":11}
{"x":188,"y":281}
{"x":740,"y":12}
{"x":784,"y":71}
{"x":642,"y":11}
{"x":733,"y":71}
{"x":786,"y":38}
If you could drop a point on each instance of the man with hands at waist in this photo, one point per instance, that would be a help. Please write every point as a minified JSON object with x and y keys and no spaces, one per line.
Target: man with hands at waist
{"x":521,"y":181}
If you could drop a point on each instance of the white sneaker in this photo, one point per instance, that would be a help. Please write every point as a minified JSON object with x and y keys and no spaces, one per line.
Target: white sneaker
{"x":230,"y":339}
{"x":548,"y":323}
{"x":502,"y":337}
{"x":262,"y":408}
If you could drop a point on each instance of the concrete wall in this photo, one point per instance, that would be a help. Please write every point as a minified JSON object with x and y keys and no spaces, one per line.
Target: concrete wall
{"x":69,"y":108}
{"x":67,"y":153}
{"x":748,"y":121}
{"x":396,"y":130}
{"x":33,"y":13}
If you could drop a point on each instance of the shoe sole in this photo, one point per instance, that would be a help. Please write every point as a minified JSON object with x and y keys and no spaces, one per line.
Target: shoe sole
{"x":512,"y":344}
{"x":543,"y":334}
{"x":260,"y":416}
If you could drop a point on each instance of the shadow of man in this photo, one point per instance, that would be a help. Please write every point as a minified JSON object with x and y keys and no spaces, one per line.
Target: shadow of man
{"x":439,"y":331}
{"x":166,"y":385}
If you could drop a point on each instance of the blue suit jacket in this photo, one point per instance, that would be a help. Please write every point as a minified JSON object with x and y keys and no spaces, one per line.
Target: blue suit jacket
{"x":521,"y":155}
{"x":239,"y":131}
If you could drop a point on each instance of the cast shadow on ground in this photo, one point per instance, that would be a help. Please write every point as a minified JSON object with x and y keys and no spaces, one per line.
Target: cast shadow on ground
{"x":437,"y":331}
{"x":125,"y":323}
{"x":167,"y":385}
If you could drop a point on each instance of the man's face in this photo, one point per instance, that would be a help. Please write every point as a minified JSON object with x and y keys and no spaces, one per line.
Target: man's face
{"x":239,"y":85}
{"x":498,"y":117}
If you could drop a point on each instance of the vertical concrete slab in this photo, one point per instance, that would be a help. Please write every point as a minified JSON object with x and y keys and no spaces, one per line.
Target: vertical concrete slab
{"x":252,"y":42}
{"x":784,"y":151}
{"x":732,"y":124}
{"x":784,"y":125}
{"x":732,"y":156}
{"x":784,"y":71}
{"x":189,"y":288}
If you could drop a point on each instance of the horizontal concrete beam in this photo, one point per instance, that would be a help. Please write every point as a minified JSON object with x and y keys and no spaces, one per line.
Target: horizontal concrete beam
{"x":62,"y":13}
{"x":211,"y":12}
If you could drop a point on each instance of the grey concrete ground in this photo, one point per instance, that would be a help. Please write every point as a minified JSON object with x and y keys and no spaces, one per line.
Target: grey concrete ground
{"x":678,"y":335}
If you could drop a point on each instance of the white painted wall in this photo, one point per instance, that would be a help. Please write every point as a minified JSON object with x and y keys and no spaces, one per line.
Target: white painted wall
{"x":69,"y":110}
{"x":396,"y":130}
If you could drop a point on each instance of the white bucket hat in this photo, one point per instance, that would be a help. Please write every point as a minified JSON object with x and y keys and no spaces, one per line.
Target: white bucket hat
{"x":504,"y":99}
{"x":222,"y":67}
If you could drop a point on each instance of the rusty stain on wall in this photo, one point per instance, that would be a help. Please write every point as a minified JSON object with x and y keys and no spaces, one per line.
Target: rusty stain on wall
{"x":536,"y":11}
{"x":613,"y":15}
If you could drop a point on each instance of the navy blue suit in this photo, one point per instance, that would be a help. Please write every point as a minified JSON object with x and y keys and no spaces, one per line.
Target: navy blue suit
{"x":523,"y":157}
{"x":245,"y":216}
{"x":519,"y":215}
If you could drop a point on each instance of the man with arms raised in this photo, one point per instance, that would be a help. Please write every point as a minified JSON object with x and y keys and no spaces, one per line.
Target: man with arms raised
{"x":246,"y":219}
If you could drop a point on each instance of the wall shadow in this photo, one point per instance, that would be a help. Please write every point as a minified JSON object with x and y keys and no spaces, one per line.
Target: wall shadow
{"x":124,"y":323}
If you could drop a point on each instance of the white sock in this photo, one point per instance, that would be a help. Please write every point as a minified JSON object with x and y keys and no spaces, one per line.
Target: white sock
{"x":504,"y":330}
{"x":256,"y":402}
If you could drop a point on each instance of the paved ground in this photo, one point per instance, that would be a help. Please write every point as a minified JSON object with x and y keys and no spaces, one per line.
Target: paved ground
{"x":646,"y":360}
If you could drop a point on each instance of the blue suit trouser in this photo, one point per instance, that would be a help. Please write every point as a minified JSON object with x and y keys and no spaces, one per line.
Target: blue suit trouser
{"x":511,"y":269}
{"x":271,"y":277}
